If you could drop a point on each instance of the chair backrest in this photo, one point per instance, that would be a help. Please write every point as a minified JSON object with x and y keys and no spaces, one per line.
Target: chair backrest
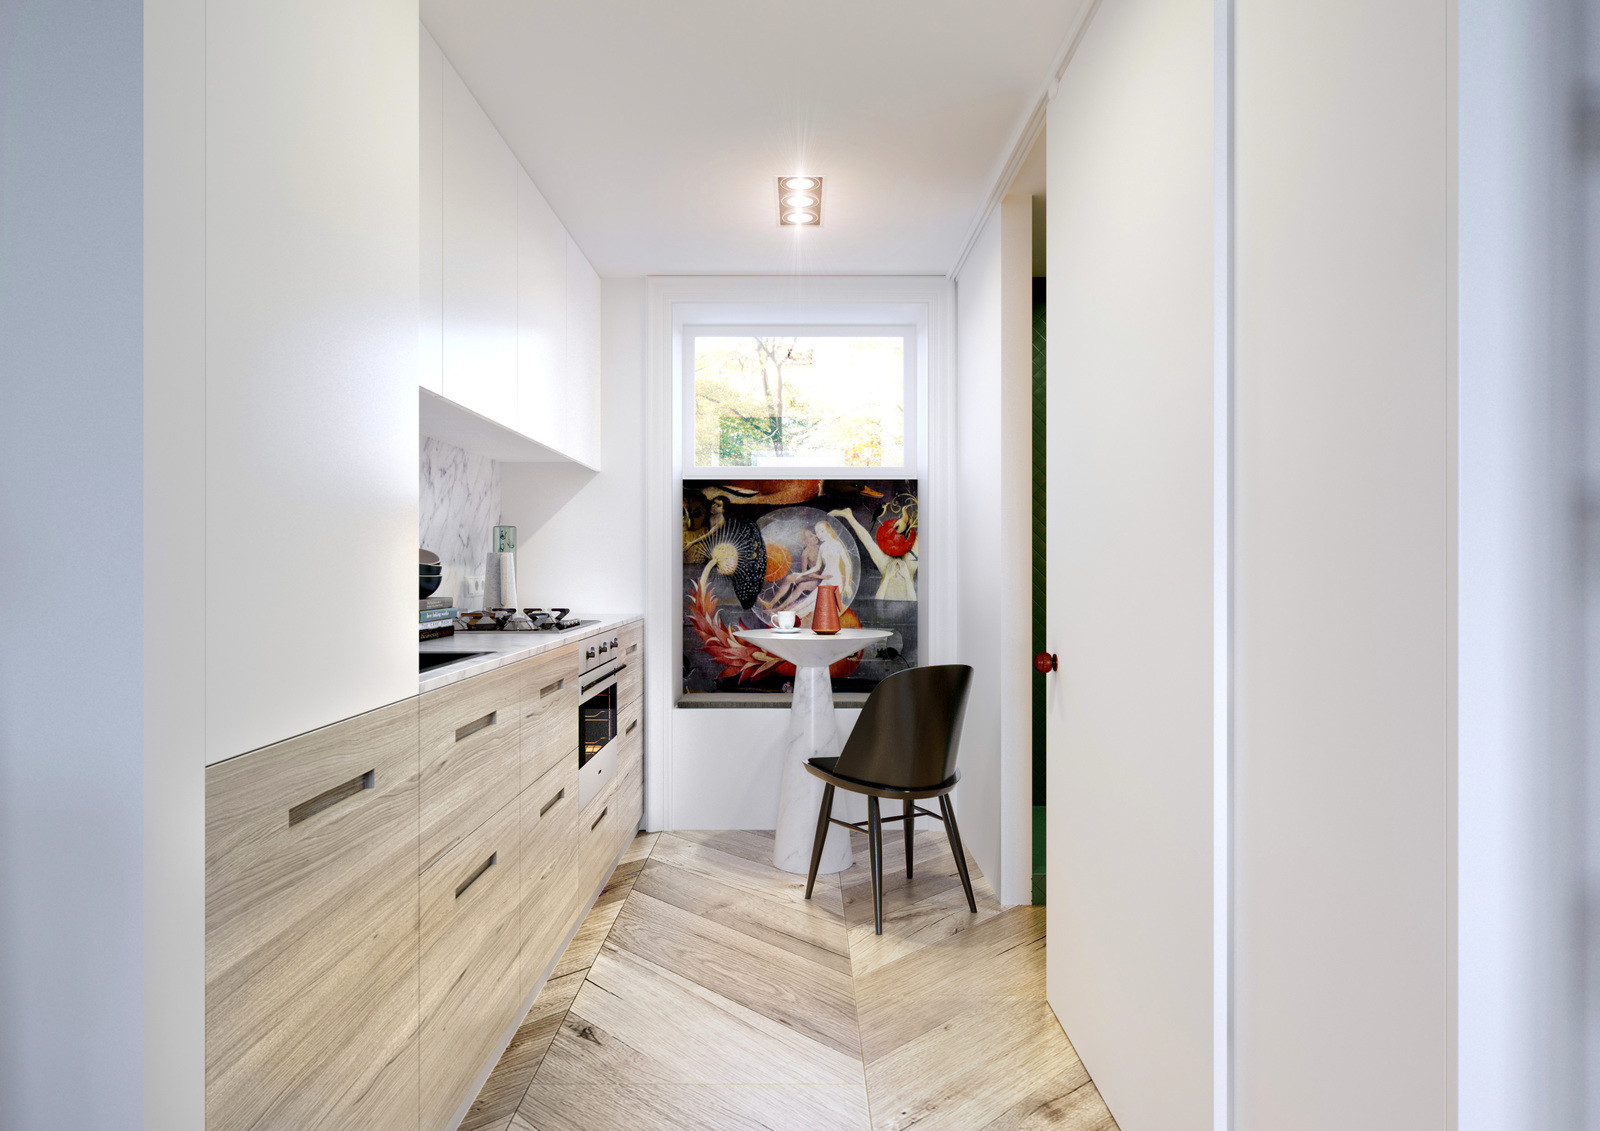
{"x":907,"y":734}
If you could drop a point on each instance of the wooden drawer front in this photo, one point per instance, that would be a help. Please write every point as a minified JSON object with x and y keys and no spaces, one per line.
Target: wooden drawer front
{"x":549,"y":712}
{"x":470,"y":946}
{"x":630,"y":739}
{"x":630,"y":647}
{"x":629,"y":805}
{"x":549,"y":830}
{"x":311,"y":913}
{"x":603,"y":828}
{"x":470,"y":756}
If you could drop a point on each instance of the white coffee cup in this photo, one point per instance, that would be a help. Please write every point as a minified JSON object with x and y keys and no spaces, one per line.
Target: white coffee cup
{"x":785,"y":619}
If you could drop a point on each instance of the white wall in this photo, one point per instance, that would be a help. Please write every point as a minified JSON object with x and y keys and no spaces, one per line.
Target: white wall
{"x":312,"y":266}
{"x":580,"y":534}
{"x":1343,"y":586}
{"x":71,"y":454}
{"x":1519,"y":871}
{"x":992,"y":450}
{"x":1129,"y":837}
{"x":728,"y":762}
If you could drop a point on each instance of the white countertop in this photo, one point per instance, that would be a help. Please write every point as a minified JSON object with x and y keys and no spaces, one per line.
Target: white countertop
{"x":506,"y":648}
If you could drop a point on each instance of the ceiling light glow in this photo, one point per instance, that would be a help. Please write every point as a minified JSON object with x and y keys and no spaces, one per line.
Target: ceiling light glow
{"x":800,"y":202}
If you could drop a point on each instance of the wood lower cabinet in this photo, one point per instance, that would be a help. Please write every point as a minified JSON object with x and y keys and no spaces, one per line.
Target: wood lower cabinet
{"x":311,"y":920}
{"x":471,"y":755}
{"x":549,"y":712}
{"x":471,"y":945}
{"x":382,"y":898}
{"x":549,"y":885}
{"x":609,"y":821}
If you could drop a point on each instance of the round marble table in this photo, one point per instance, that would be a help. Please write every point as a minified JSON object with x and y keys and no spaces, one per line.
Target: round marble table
{"x":812,"y":734}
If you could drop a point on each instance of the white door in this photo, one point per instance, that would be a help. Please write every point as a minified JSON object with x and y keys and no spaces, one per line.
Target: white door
{"x":1129,"y":484}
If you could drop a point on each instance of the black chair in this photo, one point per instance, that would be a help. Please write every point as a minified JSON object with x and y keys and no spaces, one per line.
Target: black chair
{"x":903,"y":746}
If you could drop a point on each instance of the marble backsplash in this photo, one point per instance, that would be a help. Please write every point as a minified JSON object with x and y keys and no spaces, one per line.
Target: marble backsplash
{"x":459,"y":507}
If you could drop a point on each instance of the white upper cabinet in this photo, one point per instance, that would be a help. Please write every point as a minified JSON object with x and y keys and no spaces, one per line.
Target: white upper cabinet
{"x":480,"y":258}
{"x":430,"y":337}
{"x":541,"y":315}
{"x":510,"y":311}
{"x":579,"y":394}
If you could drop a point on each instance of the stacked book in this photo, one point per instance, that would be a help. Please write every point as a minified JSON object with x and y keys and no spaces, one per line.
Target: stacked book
{"x":438,"y":617}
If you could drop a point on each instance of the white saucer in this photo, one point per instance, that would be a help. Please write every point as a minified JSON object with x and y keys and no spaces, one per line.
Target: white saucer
{"x":786,"y":631}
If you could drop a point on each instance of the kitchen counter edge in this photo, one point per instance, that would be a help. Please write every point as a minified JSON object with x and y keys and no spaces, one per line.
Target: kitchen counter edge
{"x":506,"y":648}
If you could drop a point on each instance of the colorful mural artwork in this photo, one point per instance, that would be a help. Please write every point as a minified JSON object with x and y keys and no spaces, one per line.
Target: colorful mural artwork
{"x":752,"y":548}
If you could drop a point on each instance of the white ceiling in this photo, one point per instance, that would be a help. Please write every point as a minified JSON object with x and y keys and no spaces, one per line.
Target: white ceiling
{"x":655,"y":127}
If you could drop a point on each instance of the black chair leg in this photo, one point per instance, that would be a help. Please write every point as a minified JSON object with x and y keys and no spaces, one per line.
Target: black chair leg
{"x":955,"y":846}
{"x":875,"y":848}
{"x":911,"y":810}
{"x":822,"y":835}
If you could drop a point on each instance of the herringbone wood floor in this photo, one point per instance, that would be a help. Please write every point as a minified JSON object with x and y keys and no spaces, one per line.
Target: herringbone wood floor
{"x":703,"y":991}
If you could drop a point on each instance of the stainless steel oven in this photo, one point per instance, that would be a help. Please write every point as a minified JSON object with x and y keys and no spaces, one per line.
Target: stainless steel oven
{"x":597,"y":716}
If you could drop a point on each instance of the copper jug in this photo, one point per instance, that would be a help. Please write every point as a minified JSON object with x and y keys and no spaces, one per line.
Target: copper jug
{"x":825,"y":615}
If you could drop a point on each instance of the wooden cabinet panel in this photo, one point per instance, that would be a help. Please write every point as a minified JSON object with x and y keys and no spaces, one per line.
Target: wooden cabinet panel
{"x":479,"y":290}
{"x":630,"y":643}
{"x":311,"y":919}
{"x":606,"y":824}
{"x":470,"y":756}
{"x":630,"y":725}
{"x":630,"y":792}
{"x":549,"y":711}
{"x":549,"y":896}
{"x":631,"y":682}
{"x":470,"y":988}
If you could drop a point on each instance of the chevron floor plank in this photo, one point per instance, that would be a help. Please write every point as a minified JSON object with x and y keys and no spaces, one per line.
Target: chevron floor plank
{"x":778,"y":1107}
{"x":704,"y":991}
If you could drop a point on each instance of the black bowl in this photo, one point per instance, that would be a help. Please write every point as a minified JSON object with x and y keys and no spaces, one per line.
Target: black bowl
{"x":429,"y":585}
{"x":426,"y":570}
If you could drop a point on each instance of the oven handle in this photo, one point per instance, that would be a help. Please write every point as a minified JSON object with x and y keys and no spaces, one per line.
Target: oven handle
{"x":612,"y":674}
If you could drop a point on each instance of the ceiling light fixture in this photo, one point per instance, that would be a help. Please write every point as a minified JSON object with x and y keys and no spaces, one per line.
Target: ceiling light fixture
{"x":800,"y":202}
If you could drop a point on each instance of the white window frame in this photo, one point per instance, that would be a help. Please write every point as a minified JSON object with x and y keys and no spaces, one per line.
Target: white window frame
{"x":907,"y":469}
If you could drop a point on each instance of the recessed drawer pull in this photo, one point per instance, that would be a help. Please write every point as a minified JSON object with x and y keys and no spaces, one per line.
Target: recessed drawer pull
{"x":600,"y":818}
{"x":631,"y":727}
{"x":632,"y":648}
{"x":494,"y":858}
{"x":549,"y":805}
{"x":476,"y":725}
{"x":332,"y":797}
{"x":556,"y":686}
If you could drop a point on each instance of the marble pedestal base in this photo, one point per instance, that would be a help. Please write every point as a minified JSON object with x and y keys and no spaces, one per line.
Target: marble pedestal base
{"x":812,"y":734}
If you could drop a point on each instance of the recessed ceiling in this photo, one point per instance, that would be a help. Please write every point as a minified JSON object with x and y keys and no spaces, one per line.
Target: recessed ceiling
{"x":655,"y":129}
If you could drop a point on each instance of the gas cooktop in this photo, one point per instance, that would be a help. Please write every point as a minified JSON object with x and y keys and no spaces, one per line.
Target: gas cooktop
{"x":563,"y":625}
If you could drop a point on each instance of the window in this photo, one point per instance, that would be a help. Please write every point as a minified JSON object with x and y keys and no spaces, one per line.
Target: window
{"x":800,"y":400}
{"x":799,"y":470}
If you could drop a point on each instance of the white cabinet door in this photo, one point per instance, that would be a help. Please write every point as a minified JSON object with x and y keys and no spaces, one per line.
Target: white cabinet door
{"x":580,"y":383}
{"x":480,"y":259}
{"x":310,"y":338}
{"x":541,"y":314}
{"x":430,"y":335}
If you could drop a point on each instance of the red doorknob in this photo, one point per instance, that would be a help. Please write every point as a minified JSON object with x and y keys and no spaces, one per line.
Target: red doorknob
{"x":1045,"y":662}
